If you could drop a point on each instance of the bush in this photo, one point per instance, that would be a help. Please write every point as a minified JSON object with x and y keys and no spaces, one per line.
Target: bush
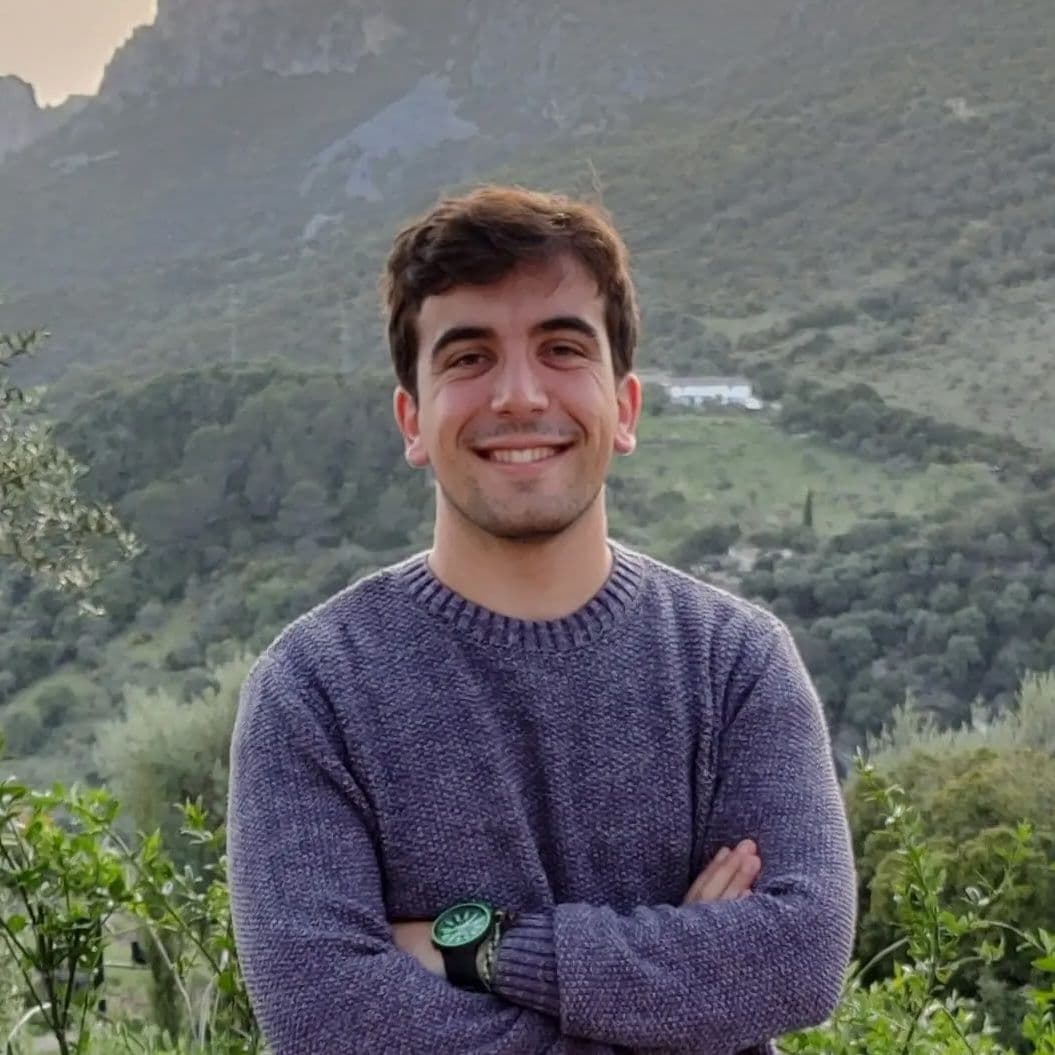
{"x":54,"y":940}
{"x":25,"y":731}
{"x":67,"y":872}
{"x":55,"y":705}
{"x":164,"y":751}
{"x":707,"y":541}
{"x":917,"y":1010}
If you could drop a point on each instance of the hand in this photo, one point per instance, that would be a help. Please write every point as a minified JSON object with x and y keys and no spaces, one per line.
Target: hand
{"x":728,"y":876}
{"x":415,"y":937}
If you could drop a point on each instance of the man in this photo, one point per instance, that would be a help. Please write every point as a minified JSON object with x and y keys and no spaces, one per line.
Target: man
{"x":473,"y":794}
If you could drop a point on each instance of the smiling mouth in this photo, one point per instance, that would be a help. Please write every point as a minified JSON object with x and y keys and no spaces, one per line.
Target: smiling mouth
{"x":523,"y":457}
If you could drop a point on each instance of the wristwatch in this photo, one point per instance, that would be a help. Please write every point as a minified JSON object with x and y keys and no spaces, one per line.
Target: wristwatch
{"x":465,"y":934}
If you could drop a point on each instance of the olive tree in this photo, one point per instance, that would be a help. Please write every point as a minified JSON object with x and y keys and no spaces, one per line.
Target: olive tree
{"x":46,"y":525}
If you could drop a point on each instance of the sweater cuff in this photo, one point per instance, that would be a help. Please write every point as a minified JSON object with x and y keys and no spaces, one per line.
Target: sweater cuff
{"x":526,"y":966}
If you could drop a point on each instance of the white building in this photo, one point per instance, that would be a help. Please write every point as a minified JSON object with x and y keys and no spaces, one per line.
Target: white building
{"x":701,"y":391}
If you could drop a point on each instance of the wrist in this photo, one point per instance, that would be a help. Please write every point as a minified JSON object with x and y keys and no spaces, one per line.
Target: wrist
{"x":483,"y":958}
{"x":526,"y":964}
{"x":487,"y":957}
{"x":466,"y":936}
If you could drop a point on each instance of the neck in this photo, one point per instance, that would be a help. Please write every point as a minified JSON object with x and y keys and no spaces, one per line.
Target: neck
{"x":544,"y":579}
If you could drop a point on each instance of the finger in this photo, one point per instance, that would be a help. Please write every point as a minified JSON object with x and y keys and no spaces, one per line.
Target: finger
{"x":713,"y":882}
{"x":740,"y":879}
{"x":704,"y":883}
{"x":744,"y":878}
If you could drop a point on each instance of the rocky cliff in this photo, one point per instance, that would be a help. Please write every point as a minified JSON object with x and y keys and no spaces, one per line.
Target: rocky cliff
{"x":201,"y":42}
{"x":554,"y":62}
{"x":21,"y":120}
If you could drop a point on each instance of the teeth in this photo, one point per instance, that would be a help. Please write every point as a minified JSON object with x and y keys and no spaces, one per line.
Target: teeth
{"x":534,"y":454}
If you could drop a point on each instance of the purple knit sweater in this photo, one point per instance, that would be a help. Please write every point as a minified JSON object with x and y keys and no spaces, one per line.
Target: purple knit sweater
{"x":400,"y":748}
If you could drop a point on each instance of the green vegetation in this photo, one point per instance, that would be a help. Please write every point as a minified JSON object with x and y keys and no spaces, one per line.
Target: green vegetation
{"x":252,"y":503}
{"x":855,"y":418}
{"x":877,"y":211}
{"x":950,"y":957}
{"x":692,"y":469}
{"x":68,"y":876}
{"x":953,"y":611}
{"x":256,"y":491}
{"x":44,"y":523}
{"x":860,"y":224}
{"x":966,"y":785}
{"x":898,"y":590}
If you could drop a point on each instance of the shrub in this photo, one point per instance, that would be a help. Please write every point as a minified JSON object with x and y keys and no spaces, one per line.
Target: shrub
{"x":68,"y":871}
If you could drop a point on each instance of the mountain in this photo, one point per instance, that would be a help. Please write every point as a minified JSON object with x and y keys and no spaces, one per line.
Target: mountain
{"x":531,"y":55}
{"x":852,"y":202}
{"x":20,"y":117}
{"x":848,"y":190}
{"x":244,"y":122}
{"x":21,"y":120}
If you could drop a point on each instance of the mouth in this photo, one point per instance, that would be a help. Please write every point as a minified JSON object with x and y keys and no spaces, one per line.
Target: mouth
{"x":523,"y":456}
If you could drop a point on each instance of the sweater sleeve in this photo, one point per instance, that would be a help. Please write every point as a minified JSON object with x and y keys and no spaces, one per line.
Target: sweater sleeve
{"x":725,"y":976}
{"x":315,"y":945}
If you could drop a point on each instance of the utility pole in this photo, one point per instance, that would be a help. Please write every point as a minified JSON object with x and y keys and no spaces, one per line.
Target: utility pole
{"x":345,"y":338}
{"x":234,"y":305}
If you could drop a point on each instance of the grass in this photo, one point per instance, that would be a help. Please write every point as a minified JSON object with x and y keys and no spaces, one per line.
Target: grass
{"x":983,"y":365}
{"x":986,"y":365}
{"x":696,"y":468}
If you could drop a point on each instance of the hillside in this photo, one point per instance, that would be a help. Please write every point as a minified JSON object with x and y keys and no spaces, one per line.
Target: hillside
{"x":258,"y":491}
{"x":874,"y":202}
{"x":231,"y":125}
{"x":852,"y":203}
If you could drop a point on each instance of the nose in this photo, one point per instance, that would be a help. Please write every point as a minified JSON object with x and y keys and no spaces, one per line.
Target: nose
{"x":518,"y":388}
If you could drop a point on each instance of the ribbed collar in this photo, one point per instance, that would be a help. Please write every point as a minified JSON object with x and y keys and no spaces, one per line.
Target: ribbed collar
{"x":602,"y":612}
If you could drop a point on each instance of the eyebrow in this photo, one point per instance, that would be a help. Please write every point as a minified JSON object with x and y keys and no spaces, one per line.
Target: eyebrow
{"x":457,"y":334}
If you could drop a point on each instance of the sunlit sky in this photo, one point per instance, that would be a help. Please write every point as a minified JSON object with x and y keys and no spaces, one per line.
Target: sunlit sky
{"x":62,"y":46}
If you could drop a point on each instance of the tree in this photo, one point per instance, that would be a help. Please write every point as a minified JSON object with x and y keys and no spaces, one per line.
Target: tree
{"x":962,"y":657}
{"x":973,"y":787}
{"x":657,"y":398}
{"x":853,"y":646}
{"x":163,"y":751}
{"x":45,"y":524}
{"x":305,"y":512}
{"x":971,"y":803}
{"x":706,"y":541}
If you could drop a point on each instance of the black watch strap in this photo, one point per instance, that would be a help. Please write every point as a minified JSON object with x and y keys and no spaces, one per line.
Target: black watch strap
{"x":460,"y":965}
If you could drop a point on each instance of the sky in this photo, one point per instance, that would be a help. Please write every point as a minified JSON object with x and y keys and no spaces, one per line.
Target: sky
{"x":62,"y":46}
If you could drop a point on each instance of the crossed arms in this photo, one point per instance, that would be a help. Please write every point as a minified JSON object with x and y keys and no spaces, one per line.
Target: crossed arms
{"x":717,"y":977}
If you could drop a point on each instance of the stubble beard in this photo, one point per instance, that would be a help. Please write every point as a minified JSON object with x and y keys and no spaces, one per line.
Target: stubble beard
{"x":531,"y":526}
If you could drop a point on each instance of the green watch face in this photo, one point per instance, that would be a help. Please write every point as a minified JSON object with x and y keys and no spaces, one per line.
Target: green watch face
{"x":462,"y":924}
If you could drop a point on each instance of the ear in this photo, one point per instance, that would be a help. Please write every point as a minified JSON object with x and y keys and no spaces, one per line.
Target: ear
{"x":629,"y":398}
{"x":405,"y":408}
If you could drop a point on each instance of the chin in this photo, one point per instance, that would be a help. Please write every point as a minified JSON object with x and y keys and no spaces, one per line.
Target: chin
{"x":536,"y":526}
{"x":528,"y":533}
{"x":546,"y":520}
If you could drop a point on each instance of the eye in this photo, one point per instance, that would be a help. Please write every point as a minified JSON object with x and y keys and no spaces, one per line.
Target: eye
{"x":465,"y":359}
{"x":563,"y":351}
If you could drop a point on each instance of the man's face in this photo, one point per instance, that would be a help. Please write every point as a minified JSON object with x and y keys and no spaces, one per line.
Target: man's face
{"x":518,"y":411}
